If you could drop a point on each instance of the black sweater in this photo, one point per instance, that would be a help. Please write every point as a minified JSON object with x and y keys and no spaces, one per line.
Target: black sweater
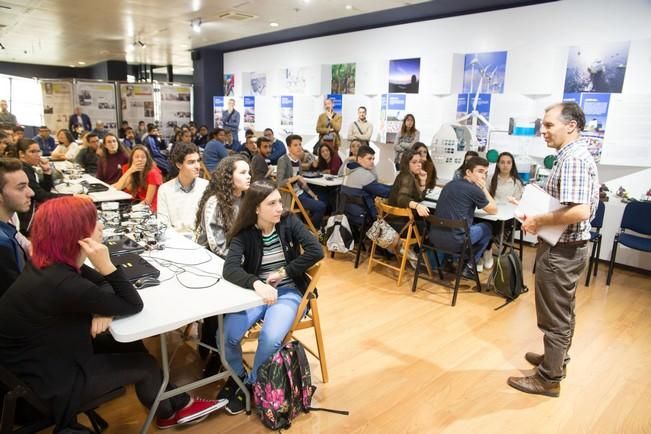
{"x":41,"y":194}
{"x":45,"y":319}
{"x":242,"y":264}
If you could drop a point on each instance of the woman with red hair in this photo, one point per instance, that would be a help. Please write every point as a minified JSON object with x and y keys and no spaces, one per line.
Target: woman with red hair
{"x":53,"y":311}
{"x":141,"y":177}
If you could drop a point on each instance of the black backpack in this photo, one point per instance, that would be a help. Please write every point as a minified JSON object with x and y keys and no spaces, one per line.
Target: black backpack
{"x":507,"y":277}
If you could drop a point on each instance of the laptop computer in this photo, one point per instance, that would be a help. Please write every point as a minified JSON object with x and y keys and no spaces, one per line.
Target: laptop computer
{"x":135,"y":266}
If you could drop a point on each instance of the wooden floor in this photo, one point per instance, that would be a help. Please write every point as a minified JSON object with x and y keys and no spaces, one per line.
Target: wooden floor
{"x":410,"y":363}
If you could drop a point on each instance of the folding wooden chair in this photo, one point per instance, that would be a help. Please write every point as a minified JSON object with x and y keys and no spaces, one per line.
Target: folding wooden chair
{"x":412,"y":237}
{"x":303,"y":321}
{"x":296,"y":207}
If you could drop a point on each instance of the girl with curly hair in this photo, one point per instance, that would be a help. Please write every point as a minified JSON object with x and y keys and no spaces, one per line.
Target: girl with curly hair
{"x":220,"y":202}
{"x":141,"y":177}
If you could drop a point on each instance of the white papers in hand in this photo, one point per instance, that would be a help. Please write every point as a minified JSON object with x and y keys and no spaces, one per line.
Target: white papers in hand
{"x":534,"y":201}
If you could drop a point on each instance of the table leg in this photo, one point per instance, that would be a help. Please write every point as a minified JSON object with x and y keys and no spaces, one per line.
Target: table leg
{"x":489,"y":283}
{"x":163,"y":386}
{"x":225,"y":364}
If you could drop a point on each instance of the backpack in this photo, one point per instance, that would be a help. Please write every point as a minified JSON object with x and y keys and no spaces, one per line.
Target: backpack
{"x":337,"y":234}
{"x":283,"y":388}
{"x":507,"y":277}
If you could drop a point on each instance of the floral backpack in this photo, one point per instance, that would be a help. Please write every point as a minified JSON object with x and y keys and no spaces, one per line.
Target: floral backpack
{"x":283,"y":388}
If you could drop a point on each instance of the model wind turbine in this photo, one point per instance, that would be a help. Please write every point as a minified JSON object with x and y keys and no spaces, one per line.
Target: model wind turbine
{"x":474,"y":115}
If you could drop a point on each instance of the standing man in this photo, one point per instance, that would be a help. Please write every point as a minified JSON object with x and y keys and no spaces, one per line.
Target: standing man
{"x":45,"y":141}
{"x":79,"y":122}
{"x":361,"y":129}
{"x":7,"y":119}
{"x":328,"y":126}
{"x":231,"y":120}
{"x":15,"y":196}
{"x":574,"y":182}
{"x":278,"y":148}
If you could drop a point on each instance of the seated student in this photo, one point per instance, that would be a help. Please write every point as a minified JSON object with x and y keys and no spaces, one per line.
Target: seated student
{"x":155,"y":144}
{"x":202,"y":137}
{"x":458,"y":201}
{"x":15,"y":196}
{"x":45,"y":140}
{"x":428,"y":165}
{"x":269,"y":252}
{"x":130,"y":139}
{"x":41,"y":184}
{"x":87,"y":155}
{"x":55,"y":309}
{"x":328,"y":161}
{"x":352,"y":155}
{"x":220,"y":203}
{"x":460,"y":172}
{"x":112,"y":157}
{"x":250,"y":148}
{"x":19,"y":133}
{"x":141,"y":177}
{"x":66,"y":149}
{"x":215,"y":149}
{"x":361,"y":180}
{"x":289,"y":173}
{"x":277,"y":146}
{"x":260,"y":168}
{"x":178,"y":198}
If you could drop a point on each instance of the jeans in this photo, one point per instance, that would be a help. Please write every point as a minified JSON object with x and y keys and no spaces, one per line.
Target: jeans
{"x":278,"y":319}
{"x":480,"y":236}
{"x":316,"y":208}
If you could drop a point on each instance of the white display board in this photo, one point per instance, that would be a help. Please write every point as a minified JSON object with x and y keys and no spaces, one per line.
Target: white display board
{"x":176,"y":107}
{"x":628,"y":135}
{"x":57,"y":103}
{"x":98,"y":101}
{"x":137,"y":103}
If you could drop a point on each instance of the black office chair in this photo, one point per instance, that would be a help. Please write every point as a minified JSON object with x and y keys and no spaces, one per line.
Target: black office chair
{"x":463,"y":251}
{"x":595,"y":238}
{"x":352,"y":204}
{"x":636,"y":218}
{"x":16,"y":393}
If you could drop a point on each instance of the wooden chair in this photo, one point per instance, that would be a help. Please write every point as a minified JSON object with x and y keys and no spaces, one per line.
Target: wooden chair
{"x":411,"y":238}
{"x":303,"y":321}
{"x":205,"y":173}
{"x":296,"y":207}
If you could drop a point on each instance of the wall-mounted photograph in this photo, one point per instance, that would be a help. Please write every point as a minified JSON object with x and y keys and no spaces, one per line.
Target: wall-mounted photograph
{"x":343,"y":78}
{"x":404,"y":75}
{"x":596,"y":68}
{"x":484,"y":72}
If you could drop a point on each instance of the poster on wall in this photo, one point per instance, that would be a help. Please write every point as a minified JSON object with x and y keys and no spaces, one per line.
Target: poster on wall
{"x":337,"y":102}
{"x":466,"y":105}
{"x":97,"y":100}
{"x":287,"y":113}
{"x":249,"y":112}
{"x":137,"y":103}
{"x":218,"y":110}
{"x":343,"y":78}
{"x":595,"y":107}
{"x":294,"y":80}
{"x":254,"y":84}
{"x":404,"y":75}
{"x":175,"y":107}
{"x":484,"y":72}
{"x":57,"y":103}
{"x":229,"y":84}
{"x":395,"y":111}
{"x":596,"y":68}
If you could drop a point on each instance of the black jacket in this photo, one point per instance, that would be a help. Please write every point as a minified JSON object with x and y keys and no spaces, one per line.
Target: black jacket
{"x":45,"y":319}
{"x":41,"y":194}
{"x":242,"y":264}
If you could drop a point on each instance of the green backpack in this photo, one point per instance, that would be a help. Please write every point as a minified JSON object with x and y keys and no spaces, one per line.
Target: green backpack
{"x":507,"y":277}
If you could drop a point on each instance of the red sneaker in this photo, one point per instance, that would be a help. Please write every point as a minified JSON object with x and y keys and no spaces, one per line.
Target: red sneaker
{"x":170,"y":422}
{"x":199,"y":408}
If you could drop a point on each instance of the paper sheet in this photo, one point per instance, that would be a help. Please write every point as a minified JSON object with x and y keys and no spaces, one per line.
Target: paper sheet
{"x":534,"y":201}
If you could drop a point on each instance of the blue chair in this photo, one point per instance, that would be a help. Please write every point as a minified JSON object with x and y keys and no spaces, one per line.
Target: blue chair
{"x":595,"y":238}
{"x":637,"y":218}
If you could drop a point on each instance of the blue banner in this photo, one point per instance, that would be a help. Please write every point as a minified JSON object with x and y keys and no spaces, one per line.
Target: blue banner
{"x":287,"y":102}
{"x":337,"y":102}
{"x":249,"y":109}
{"x":218,"y":107}
{"x":249,"y":102}
{"x":397,"y":101}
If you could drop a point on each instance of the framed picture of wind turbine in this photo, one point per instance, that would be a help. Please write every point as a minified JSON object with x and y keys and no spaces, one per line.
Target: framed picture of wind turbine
{"x":484,"y":72}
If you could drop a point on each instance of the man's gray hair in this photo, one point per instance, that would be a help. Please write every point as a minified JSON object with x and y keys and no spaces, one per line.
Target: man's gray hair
{"x":570,"y":111}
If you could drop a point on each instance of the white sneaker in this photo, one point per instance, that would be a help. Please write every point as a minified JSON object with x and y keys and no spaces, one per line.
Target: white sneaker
{"x":480,"y":266}
{"x":488,"y":259}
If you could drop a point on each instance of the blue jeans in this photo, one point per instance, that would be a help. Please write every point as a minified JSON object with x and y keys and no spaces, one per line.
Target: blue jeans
{"x":480,"y":236}
{"x":278,"y":319}
{"x":316,"y":208}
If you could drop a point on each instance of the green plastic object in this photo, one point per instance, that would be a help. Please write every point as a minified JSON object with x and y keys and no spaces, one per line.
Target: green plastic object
{"x":492,"y":155}
{"x":549,"y":161}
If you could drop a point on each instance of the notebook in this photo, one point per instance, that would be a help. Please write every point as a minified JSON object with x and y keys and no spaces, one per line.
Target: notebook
{"x":135,"y":266}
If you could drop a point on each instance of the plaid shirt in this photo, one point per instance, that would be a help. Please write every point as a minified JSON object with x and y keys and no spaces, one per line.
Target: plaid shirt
{"x":574,"y":180}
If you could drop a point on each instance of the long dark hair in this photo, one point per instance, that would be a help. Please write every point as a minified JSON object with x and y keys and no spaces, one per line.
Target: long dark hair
{"x":461,"y":169}
{"x":222,"y":186}
{"x":403,"y":129}
{"x":103,"y":152}
{"x":428,"y":165}
{"x":139,"y":180}
{"x":323,"y":164}
{"x":512,"y":174}
{"x":404,"y":161}
{"x":247,"y":217}
{"x":67,"y":134}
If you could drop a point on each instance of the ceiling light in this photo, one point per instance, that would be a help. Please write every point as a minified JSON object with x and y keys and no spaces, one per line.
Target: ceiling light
{"x":196,"y":25}
{"x":72,"y":66}
{"x":2,"y":46}
{"x":81,"y":63}
{"x":349,"y":7}
{"x":142,"y":44}
{"x":274,"y":24}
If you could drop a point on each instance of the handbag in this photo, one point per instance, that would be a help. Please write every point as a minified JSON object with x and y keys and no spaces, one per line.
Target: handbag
{"x":381,"y":233}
